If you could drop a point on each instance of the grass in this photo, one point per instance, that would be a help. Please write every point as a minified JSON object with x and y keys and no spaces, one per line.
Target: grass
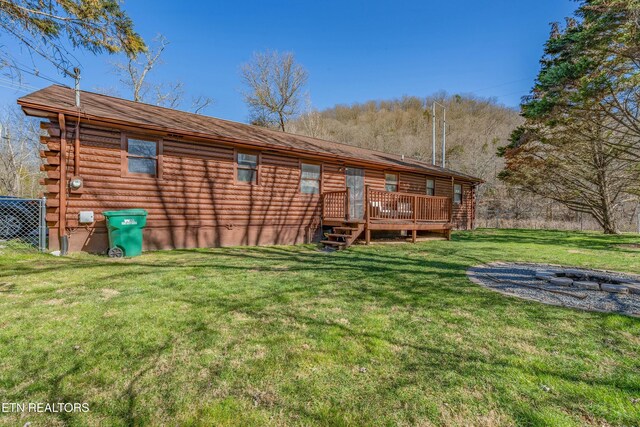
{"x":379,"y":335}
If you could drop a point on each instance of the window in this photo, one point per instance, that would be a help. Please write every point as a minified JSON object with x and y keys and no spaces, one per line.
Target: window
{"x":391,"y":182}
{"x":457,"y":193}
{"x":310,"y":178}
{"x":142,"y":157}
{"x":247,"y":168}
{"x":431,"y":187}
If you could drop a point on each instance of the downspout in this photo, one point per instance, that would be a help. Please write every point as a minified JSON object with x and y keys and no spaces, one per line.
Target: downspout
{"x":76,"y":150}
{"x":62,"y":210}
{"x":76,"y":146}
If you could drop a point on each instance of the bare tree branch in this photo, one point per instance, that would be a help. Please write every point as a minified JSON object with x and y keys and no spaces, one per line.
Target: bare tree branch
{"x":273,"y":87}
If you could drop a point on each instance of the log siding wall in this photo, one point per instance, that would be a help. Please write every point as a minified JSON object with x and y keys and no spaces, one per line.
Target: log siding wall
{"x":197,"y":201}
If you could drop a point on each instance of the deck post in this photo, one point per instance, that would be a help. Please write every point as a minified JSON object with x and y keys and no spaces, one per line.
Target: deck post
{"x":367,"y":214}
{"x":453,"y":190}
{"x":346,"y":205}
{"x":414,"y":231}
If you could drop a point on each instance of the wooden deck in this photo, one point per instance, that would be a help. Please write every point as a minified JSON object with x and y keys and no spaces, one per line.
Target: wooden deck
{"x":384,"y":210}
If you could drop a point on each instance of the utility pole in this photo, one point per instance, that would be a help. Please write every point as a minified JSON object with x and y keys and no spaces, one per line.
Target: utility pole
{"x":76,"y":76}
{"x":433,"y":140}
{"x":444,"y":133}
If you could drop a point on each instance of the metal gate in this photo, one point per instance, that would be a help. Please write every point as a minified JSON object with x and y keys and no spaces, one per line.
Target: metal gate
{"x":23,"y":224}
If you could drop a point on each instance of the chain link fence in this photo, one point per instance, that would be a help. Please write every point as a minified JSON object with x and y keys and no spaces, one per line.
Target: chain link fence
{"x":23,"y":224}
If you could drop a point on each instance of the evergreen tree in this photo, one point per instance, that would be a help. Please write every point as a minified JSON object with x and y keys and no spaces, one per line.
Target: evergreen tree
{"x":49,"y":28}
{"x":580,"y":141}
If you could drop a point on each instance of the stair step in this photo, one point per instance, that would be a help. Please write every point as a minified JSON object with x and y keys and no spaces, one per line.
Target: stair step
{"x":344,"y":229}
{"x":339,"y":236}
{"x":333,"y":243}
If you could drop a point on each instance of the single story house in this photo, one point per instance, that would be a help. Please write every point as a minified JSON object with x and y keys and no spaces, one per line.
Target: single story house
{"x":209,"y":182}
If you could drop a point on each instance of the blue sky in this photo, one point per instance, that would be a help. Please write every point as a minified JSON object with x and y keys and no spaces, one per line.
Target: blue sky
{"x":354,"y":50}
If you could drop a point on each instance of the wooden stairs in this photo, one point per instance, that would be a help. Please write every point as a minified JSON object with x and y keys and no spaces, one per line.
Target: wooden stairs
{"x":343,"y":236}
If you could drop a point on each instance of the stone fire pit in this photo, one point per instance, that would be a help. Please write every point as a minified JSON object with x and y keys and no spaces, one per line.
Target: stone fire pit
{"x":580,"y":288}
{"x":589,"y":279}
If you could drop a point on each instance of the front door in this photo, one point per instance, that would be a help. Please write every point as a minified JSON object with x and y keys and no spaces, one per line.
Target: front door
{"x":355,"y":184}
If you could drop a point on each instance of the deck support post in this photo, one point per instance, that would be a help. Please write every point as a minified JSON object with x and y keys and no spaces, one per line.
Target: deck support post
{"x":414,"y":231}
{"x":347,"y":206}
{"x":367,"y":213}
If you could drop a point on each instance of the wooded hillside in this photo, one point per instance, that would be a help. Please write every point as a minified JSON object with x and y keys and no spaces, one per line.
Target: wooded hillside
{"x":476,"y":128}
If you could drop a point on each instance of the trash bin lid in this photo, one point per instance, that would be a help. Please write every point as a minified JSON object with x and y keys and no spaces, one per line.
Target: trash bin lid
{"x":125,"y":212}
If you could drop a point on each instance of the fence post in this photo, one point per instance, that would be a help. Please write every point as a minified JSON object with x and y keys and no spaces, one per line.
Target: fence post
{"x":42,"y":235}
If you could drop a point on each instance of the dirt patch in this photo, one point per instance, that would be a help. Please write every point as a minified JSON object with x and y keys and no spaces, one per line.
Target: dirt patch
{"x":633,"y":246}
{"x":108,"y":293}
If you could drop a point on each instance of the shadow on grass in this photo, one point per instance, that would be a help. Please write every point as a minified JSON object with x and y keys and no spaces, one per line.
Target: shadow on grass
{"x":423,"y":278}
{"x":569,"y":239}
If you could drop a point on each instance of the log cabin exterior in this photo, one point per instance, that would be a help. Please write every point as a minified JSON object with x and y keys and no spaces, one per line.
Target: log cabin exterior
{"x":207,"y":182}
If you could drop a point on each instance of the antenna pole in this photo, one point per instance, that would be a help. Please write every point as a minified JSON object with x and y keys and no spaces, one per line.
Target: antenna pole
{"x":444,"y":135}
{"x":76,"y":76}
{"x":433,"y":148}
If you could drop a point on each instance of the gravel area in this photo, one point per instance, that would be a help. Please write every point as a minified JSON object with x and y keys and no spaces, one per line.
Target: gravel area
{"x":519,"y":280}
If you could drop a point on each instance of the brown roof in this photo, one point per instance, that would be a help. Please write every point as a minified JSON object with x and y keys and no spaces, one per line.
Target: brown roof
{"x":60,"y":99}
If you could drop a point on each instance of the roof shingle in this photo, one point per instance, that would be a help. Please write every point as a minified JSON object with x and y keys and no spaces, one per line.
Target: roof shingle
{"x":57,"y":98}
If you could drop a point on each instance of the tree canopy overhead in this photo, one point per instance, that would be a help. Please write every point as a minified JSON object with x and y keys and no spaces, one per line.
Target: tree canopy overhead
{"x":46,"y":28}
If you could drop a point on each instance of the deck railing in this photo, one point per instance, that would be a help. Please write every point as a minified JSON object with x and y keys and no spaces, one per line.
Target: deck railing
{"x":388,"y":206}
{"x":335,"y":205}
{"x":402,"y":207}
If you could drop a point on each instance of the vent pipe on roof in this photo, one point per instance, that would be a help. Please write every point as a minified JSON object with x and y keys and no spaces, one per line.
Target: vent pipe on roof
{"x":76,"y":76}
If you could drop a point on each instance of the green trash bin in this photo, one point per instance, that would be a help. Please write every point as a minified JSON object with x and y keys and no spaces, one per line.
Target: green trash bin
{"x":125,"y":231}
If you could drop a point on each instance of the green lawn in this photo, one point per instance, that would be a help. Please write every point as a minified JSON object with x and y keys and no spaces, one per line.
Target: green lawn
{"x":378,"y":335}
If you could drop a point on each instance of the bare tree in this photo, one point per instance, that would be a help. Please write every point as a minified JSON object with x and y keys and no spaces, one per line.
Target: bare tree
{"x":200,"y":103}
{"x":133,"y":75}
{"x":19,"y":159}
{"x":168,"y":95}
{"x":578,"y":165}
{"x":274,"y":83}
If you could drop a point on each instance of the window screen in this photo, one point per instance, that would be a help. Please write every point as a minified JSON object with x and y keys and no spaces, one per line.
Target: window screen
{"x":431,"y":187}
{"x":247,"y":170}
{"x":310,"y":179}
{"x":457,"y":193}
{"x":391,"y":182}
{"x":142,"y":156}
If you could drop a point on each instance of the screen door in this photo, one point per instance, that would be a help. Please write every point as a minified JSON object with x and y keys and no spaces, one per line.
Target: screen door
{"x":355,"y":184}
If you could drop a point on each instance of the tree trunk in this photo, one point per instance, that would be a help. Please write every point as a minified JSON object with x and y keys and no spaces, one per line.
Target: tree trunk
{"x":608,"y":222}
{"x":607,"y":209}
